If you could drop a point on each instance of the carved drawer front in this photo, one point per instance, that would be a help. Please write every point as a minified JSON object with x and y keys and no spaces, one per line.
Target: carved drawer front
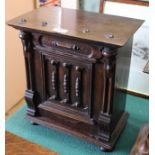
{"x":68,"y":82}
{"x":66,"y":46}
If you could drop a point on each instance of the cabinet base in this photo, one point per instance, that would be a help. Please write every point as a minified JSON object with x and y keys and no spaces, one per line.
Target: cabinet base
{"x":108,"y":146}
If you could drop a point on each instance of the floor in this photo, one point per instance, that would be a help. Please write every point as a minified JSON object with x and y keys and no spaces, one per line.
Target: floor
{"x":14,"y":108}
{"x":68,"y":145}
{"x":15,"y":145}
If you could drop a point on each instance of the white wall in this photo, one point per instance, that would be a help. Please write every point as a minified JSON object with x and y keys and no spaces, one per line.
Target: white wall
{"x":138,"y":81}
{"x":73,"y":4}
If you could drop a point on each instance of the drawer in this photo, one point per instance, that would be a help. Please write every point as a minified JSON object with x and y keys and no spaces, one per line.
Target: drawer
{"x":66,"y":46}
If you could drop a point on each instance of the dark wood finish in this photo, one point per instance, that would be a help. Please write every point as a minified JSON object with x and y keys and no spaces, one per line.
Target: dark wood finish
{"x":82,"y":131}
{"x":141,"y":146}
{"x":84,"y":25}
{"x":15,"y":145}
{"x":73,"y":78}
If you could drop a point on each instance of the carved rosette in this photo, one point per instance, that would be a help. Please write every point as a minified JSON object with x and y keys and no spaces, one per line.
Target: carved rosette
{"x":109,"y":62}
{"x":26,"y":39}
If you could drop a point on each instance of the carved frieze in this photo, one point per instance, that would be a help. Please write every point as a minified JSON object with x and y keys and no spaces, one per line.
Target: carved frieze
{"x":70,"y":46}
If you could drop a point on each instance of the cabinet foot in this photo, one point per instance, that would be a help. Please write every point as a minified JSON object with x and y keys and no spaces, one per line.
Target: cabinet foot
{"x":103,"y":149}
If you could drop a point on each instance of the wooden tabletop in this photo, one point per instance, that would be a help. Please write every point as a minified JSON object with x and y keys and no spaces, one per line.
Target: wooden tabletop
{"x":114,"y":30}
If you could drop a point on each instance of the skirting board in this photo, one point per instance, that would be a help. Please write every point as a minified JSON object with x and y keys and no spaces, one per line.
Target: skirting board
{"x":131,"y":92}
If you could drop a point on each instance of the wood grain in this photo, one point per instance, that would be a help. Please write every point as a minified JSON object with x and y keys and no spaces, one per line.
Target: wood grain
{"x":79,"y":24}
{"x":141,"y":146}
{"x":16,"y":145}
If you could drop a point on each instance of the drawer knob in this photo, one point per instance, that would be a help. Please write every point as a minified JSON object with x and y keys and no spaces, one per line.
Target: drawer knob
{"x":109,"y":36}
{"x":23,"y":20}
{"x":85,"y":30}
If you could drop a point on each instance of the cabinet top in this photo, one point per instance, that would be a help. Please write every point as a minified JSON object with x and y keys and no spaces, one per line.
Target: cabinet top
{"x":108,"y":29}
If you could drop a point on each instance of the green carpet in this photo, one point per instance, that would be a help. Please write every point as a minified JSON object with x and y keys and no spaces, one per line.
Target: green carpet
{"x":69,"y":145}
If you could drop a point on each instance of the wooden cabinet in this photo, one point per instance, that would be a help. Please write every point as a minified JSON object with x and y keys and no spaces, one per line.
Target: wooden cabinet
{"x":74,"y":71}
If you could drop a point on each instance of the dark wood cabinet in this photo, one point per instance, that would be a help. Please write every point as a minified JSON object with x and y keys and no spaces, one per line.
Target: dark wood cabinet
{"x":75,"y":71}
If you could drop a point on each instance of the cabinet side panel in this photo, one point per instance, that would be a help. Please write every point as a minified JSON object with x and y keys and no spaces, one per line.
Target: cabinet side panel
{"x":121,"y":80}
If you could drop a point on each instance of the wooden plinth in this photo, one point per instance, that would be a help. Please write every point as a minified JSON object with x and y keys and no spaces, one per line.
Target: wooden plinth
{"x":106,"y":146}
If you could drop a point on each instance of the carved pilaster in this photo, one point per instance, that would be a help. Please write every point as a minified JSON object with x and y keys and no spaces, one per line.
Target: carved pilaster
{"x":26,"y":39}
{"x":105,"y":119}
{"x":78,"y":88}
